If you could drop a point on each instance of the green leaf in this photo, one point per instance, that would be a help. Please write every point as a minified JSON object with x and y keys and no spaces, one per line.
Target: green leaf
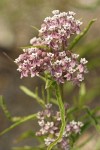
{"x":62,"y":114}
{"x":22,"y":120}
{"x":95,"y":110}
{"x":49,"y":83}
{"x":49,"y":80}
{"x":6,"y":112}
{"x":4,"y":107}
{"x":82,"y":93}
{"x":89,"y":48}
{"x":29,"y":134}
{"x":41,"y":77}
{"x":35,"y":28}
{"x":33,"y":95}
{"x":54,"y":101}
{"x":87,"y":125}
{"x":25,"y":135}
{"x":72,"y":110}
{"x":48,"y":86}
{"x":78,"y":37}
{"x":86,"y":141}
{"x":92,"y":117}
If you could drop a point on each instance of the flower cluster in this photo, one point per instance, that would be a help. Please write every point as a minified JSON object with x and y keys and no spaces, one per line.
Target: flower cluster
{"x":56,"y":30}
{"x":65,"y":66}
{"x":32,"y":62}
{"x":49,"y":51}
{"x":50,"y":123}
{"x":61,"y":65}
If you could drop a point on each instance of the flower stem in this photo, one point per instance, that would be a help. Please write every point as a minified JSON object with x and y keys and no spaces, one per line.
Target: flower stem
{"x":62,"y":114}
{"x":48,"y":95}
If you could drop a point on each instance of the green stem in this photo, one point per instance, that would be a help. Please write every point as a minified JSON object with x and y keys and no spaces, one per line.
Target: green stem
{"x":48,"y":95}
{"x":62,"y":93}
{"x":62,"y":114}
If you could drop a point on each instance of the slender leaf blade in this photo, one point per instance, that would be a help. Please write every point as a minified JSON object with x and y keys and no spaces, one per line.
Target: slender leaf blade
{"x":32,"y":94}
{"x":24,"y":119}
{"x":4,"y":108}
{"x":78,"y":37}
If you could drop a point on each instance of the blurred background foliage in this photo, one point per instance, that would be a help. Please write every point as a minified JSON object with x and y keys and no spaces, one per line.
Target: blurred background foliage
{"x":16,"y":19}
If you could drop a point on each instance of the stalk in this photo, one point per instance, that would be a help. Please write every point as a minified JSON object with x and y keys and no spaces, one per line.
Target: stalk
{"x":62,"y":114}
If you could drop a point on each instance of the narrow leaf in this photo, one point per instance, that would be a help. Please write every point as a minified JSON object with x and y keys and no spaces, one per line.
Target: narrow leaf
{"x":78,"y":37}
{"x":86,"y":141}
{"x":93,"y":119}
{"x":82,"y":94}
{"x":24,"y":119}
{"x":48,"y":83}
{"x":72,"y":110}
{"x":25,"y":135}
{"x":4,"y":107}
{"x":35,"y":28}
{"x":54,"y":101}
{"x":29,"y":134}
{"x":7,"y":113}
{"x":41,"y":77}
{"x":89,"y":48}
{"x":31,"y":94}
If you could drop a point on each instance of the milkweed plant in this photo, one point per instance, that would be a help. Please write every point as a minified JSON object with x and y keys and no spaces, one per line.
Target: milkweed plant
{"x":51,"y":58}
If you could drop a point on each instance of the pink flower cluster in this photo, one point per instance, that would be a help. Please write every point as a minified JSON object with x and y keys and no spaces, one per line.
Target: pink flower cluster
{"x":61,"y":65}
{"x":32,"y":62}
{"x":50,"y":122}
{"x":49,"y":54}
{"x":56,"y":30}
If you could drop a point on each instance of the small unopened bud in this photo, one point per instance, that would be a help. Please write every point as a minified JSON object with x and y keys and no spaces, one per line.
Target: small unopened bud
{"x":43,"y":54}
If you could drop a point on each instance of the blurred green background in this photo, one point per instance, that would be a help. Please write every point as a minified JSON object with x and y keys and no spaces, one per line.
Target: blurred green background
{"x":16,"y":19}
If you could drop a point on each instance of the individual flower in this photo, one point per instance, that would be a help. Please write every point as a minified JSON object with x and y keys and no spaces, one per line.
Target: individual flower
{"x":48,"y":140}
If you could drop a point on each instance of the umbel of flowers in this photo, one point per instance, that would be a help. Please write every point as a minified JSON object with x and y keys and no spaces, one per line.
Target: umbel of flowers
{"x":49,"y":51}
{"x":50,"y":123}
